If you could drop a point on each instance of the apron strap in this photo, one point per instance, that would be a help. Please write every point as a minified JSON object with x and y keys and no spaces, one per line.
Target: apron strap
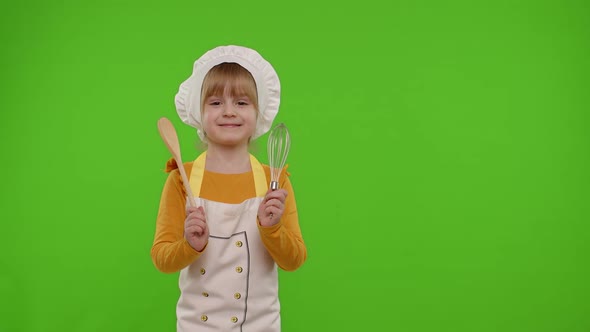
{"x":196,"y":178}
{"x":260,"y":183}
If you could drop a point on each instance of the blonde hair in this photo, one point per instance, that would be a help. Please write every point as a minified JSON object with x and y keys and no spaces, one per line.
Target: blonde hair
{"x":232,"y":78}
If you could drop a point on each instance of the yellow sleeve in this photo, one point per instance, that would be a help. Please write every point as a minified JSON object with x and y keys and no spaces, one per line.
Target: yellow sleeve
{"x":284,"y":241}
{"x":170,"y":250}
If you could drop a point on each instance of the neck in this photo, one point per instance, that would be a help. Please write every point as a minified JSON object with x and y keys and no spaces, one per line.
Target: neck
{"x":228,"y":160}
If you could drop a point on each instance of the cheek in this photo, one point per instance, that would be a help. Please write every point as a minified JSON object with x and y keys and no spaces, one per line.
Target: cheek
{"x":206,"y":123}
{"x":254,"y":116}
{"x":206,"y":117}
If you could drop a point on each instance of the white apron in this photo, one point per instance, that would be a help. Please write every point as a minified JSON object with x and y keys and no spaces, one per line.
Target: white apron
{"x":233,"y":285}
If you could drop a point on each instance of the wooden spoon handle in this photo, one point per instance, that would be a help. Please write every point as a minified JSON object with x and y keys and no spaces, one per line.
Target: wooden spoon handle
{"x":187,"y":186}
{"x":168,"y":134}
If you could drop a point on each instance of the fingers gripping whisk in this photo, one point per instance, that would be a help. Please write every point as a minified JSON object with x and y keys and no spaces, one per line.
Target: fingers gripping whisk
{"x":278,"y":146}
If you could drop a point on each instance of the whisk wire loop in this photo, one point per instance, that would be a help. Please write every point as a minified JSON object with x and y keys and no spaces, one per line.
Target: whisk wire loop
{"x":279,"y":143}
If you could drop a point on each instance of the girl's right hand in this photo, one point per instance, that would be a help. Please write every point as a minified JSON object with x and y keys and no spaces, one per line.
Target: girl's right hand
{"x":196,"y":231}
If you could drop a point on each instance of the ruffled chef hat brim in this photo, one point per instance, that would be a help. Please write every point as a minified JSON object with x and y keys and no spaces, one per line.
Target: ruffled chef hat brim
{"x":188,"y":98}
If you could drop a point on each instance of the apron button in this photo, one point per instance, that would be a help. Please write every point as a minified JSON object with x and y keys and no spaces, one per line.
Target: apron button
{"x":204,"y":318}
{"x":239,"y":243}
{"x":234,"y":319}
{"x":239,"y":269}
{"x":237,"y":296}
{"x":205,"y":294}
{"x":202,"y":271}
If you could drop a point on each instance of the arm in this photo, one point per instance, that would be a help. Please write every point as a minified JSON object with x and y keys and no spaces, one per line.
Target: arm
{"x":283,"y":240}
{"x":170,"y":251}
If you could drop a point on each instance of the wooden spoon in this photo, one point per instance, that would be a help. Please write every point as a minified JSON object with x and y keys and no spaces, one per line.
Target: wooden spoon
{"x":170,"y":138}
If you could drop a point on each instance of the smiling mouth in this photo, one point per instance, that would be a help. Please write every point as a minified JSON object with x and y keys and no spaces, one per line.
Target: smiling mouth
{"x":230,"y":125}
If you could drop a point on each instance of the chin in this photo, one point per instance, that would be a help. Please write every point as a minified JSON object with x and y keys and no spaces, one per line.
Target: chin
{"x":232,"y":142}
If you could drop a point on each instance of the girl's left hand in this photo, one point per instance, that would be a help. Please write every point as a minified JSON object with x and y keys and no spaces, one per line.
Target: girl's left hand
{"x":272,"y":207}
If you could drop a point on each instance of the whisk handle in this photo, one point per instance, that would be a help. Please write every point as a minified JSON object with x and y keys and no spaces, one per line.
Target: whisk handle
{"x":274,"y":185}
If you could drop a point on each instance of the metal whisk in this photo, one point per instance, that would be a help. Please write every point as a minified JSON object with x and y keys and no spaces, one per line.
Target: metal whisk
{"x":278,"y":146}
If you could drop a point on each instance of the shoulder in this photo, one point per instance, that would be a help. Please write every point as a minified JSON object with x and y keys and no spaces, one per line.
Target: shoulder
{"x":172,"y":167}
{"x":267,"y":169}
{"x":284,"y":176}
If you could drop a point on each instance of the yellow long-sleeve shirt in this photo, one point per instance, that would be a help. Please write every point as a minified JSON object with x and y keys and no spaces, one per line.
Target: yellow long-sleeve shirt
{"x":171,"y":252}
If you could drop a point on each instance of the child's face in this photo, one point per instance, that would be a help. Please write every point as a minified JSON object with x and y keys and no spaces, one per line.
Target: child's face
{"x":229,"y":120}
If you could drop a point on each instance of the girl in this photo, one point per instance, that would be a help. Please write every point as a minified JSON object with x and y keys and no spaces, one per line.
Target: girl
{"x":227,"y":250}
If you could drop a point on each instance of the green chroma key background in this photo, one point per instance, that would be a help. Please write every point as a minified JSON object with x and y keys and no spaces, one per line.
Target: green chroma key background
{"x":440,"y":159}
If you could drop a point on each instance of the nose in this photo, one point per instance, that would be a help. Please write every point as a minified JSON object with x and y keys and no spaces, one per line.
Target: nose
{"x":228,"y":110}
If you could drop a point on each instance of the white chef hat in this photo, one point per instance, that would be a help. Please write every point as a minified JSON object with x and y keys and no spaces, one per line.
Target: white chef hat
{"x":188,"y":98}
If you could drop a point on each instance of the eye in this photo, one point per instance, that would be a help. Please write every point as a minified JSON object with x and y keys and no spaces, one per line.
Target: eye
{"x":243,"y":101}
{"x":214,"y":101}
